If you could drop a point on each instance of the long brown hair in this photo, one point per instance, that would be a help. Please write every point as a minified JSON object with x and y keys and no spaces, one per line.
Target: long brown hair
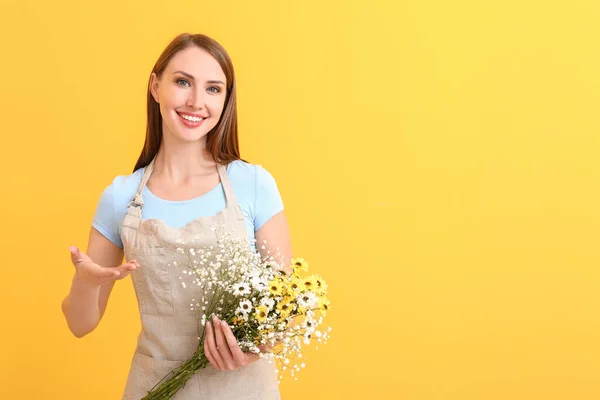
{"x":222,"y":140}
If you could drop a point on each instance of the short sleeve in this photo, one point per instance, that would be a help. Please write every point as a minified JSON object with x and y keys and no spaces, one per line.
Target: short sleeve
{"x":104,"y":218}
{"x":268,"y":200}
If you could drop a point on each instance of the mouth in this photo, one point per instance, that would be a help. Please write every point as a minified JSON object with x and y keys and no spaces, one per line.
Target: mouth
{"x":191,"y":120}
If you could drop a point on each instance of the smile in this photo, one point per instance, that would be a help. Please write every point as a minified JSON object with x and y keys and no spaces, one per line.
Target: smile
{"x":191,"y":121}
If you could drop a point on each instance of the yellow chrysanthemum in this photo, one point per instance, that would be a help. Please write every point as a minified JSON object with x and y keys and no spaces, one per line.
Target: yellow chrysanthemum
{"x":261,"y":333}
{"x":276,"y":287}
{"x":288,"y":297}
{"x":321,"y":285}
{"x":295,"y":285}
{"x":285,"y":308}
{"x":309,"y":283}
{"x":301,"y":310}
{"x":265,"y":332}
{"x":299,"y":264}
{"x":261,"y":313}
{"x":324,"y":304}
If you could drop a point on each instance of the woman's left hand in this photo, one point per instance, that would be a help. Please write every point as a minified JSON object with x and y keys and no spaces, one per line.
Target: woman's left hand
{"x":221,"y":347}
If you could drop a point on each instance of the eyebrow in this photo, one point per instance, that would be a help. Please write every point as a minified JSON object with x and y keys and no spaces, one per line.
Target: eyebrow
{"x":192,"y":77}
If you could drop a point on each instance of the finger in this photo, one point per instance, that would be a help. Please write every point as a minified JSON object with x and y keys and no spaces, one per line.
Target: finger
{"x":208,"y":353}
{"x":234,"y":347}
{"x":264,"y":348}
{"x":126,"y":269}
{"x":222,"y":345}
{"x":131,"y":264}
{"x":212,"y":347}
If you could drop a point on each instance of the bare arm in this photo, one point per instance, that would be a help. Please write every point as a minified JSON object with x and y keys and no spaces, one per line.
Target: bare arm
{"x":276,"y":233}
{"x":93,"y":280}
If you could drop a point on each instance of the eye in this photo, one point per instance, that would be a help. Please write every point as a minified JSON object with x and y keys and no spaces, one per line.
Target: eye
{"x":182,"y":80}
{"x":218,"y":89}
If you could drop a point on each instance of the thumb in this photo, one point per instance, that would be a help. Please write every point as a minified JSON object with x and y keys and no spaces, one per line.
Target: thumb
{"x":75,"y":254}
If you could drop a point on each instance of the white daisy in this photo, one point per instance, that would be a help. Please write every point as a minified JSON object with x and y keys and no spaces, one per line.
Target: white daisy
{"x":267,"y":302}
{"x":245,"y":306}
{"x":309,"y":326}
{"x":257,"y":283}
{"x":240,"y":314}
{"x":306,"y":339}
{"x":241,"y":289}
{"x":306,"y":299}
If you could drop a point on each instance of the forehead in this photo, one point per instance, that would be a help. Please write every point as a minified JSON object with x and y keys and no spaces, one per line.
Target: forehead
{"x":197,"y":62}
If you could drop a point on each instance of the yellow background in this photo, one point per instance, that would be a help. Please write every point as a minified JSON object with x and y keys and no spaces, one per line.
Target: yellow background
{"x":438,"y":161}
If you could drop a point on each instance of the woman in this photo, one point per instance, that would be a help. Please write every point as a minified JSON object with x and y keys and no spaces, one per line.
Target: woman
{"x":188,"y":180}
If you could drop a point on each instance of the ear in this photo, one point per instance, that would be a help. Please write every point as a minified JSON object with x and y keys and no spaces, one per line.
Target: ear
{"x":154,"y":81}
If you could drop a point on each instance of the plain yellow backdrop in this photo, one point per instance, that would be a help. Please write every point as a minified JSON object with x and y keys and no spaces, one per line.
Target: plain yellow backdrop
{"x":438,"y":162}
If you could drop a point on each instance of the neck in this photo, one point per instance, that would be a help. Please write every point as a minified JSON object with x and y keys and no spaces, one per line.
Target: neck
{"x":180,"y":161}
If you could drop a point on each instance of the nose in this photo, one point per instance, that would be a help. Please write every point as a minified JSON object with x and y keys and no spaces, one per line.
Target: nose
{"x":196,"y":98}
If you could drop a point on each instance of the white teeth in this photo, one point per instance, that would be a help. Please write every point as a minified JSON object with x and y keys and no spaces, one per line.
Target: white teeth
{"x":193,"y":119}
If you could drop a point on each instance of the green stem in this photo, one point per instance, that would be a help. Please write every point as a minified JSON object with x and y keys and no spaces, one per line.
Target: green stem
{"x":177,"y":378}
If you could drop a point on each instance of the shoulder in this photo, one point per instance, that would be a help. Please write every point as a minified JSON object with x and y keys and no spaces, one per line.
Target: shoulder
{"x":239,"y":168}
{"x":112,"y":206}
{"x":242,"y":172}
{"x":122,"y":189}
{"x":250,"y":180}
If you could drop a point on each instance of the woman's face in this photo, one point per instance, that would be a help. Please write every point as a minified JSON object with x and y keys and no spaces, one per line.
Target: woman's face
{"x":191,"y":94}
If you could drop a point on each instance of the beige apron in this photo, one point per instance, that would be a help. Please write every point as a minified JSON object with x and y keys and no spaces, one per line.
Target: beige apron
{"x":170,"y":329}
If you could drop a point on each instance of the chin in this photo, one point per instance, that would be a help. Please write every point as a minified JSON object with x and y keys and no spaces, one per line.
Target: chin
{"x":191,"y":137}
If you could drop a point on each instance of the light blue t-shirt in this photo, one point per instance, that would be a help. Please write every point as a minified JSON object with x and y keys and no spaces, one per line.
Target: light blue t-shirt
{"x":254,"y":187}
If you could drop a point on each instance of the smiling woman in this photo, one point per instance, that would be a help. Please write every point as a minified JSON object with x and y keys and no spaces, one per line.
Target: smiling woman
{"x":189,"y":180}
{"x":191,"y":89}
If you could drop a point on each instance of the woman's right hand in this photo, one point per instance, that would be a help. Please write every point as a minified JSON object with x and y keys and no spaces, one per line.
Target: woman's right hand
{"x":96,"y":275}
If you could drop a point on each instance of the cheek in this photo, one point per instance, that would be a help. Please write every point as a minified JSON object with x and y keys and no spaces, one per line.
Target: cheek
{"x":216,"y":105}
{"x":173,"y":98}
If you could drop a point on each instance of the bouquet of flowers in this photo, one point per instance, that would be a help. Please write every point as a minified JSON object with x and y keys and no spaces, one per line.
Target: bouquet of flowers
{"x":267,"y":305}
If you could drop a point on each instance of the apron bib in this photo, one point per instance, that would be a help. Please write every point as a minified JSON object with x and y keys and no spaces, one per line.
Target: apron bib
{"x":170,"y":329}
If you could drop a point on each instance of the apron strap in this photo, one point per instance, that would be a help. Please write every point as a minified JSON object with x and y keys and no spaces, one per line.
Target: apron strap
{"x":138,"y":201}
{"x":227,"y":187}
